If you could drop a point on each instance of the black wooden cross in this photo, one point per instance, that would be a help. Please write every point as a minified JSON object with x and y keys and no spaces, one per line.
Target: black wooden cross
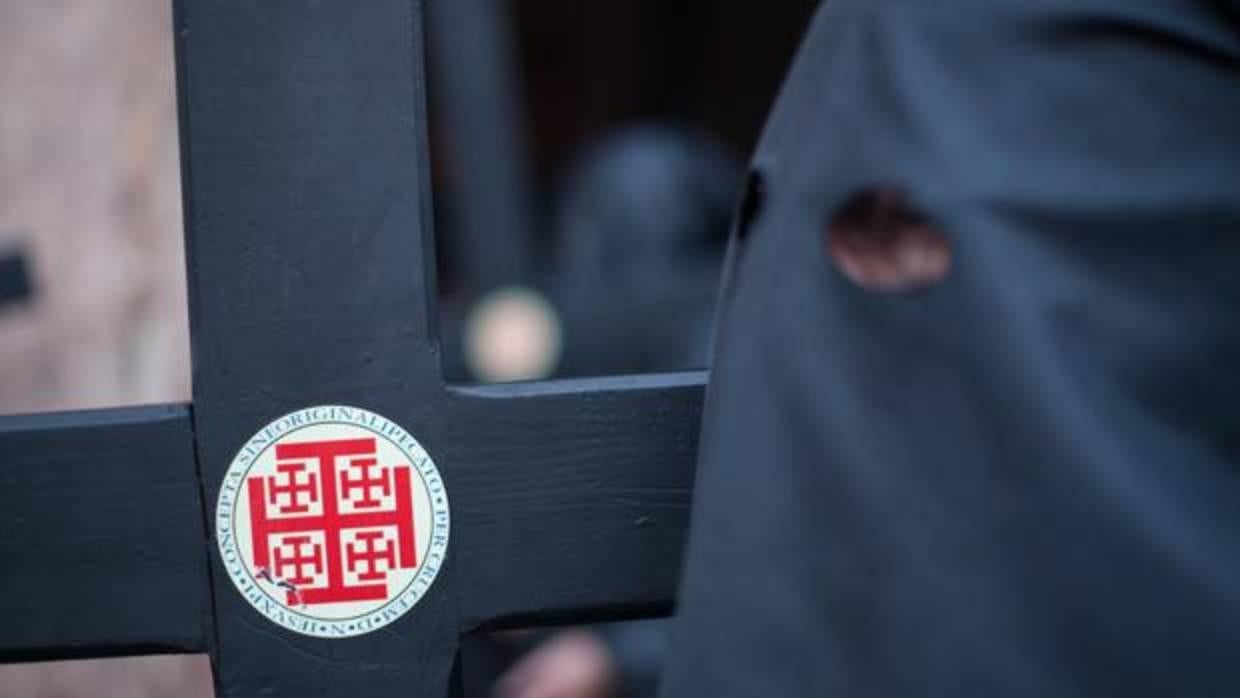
{"x":311,"y":282}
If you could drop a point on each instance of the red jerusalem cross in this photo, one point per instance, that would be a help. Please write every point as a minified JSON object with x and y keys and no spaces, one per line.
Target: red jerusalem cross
{"x":370,"y":551}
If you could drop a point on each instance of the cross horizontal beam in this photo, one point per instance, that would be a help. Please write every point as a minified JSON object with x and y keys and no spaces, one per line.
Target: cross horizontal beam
{"x":573,"y":507}
{"x":574,"y":496}
{"x":101,"y":535}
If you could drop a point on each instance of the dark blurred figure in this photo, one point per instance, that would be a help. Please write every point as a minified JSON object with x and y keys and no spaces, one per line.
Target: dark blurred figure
{"x":573,"y":242}
{"x":642,"y":223}
{"x":525,"y":93}
{"x":640,"y":226}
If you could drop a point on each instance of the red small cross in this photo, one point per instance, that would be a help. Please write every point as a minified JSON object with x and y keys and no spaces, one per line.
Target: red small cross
{"x":294,"y":487}
{"x":368,"y":481}
{"x":298,"y":560}
{"x":371,"y":554}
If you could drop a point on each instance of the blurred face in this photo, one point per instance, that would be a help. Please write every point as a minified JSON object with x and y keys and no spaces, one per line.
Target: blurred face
{"x":881,"y":244}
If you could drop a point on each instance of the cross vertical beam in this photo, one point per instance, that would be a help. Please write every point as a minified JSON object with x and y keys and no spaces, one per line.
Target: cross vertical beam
{"x":311,"y":282}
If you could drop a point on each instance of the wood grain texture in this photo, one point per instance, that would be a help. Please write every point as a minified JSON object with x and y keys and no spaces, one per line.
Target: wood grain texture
{"x":574,"y":496}
{"x":101,"y":540}
{"x":310,"y":282}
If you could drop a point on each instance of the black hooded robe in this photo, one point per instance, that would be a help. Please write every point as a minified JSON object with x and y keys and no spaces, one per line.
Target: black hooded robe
{"x":1024,"y":481}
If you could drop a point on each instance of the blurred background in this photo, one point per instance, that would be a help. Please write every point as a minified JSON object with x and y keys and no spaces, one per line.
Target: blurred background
{"x":586,"y":160}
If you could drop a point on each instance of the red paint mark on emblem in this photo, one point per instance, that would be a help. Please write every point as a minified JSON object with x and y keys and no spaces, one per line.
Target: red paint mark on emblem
{"x":315,"y":550}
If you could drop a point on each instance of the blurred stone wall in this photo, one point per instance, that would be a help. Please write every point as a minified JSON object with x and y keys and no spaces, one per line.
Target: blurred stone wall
{"x":89,"y":189}
{"x":89,"y":192}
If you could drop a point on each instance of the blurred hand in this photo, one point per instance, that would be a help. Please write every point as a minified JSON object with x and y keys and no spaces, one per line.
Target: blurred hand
{"x":572,"y":664}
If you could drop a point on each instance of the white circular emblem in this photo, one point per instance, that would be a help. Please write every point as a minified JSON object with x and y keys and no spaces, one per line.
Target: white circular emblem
{"x":332,"y":521}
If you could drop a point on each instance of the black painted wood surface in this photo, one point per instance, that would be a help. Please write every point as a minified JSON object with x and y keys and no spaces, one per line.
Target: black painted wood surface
{"x":310,"y":278}
{"x":101,"y":539}
{"x":311,"y":282}
{"x":574,"y":496}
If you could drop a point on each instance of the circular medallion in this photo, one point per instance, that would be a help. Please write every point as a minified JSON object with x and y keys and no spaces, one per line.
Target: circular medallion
{"x":332,"y":521}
